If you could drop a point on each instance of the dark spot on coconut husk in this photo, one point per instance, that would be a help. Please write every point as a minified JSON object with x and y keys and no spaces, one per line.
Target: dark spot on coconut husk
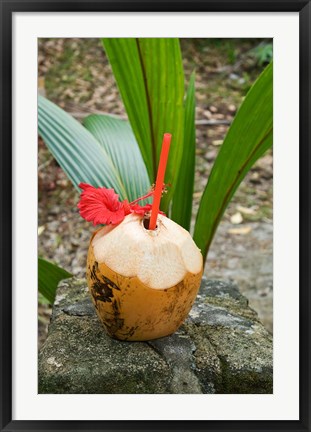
{"x":129,"y":333}
{"x":114,"y":324}
{"x":102,"y":290}
{"x":93,"y":271}
{"x":112,"y":321}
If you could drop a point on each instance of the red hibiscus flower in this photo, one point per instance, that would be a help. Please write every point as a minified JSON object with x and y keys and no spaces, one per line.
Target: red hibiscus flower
{"x":102,"y":205}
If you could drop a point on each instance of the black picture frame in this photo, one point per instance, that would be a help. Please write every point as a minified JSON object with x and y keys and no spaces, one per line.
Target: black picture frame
{"x":7,"y":10}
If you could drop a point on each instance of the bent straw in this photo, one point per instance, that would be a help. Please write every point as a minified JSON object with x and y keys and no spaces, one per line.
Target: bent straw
{"x":160,"y":180}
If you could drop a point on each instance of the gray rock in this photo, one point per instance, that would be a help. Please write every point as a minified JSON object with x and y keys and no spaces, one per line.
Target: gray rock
{"x":221,"y":348}
{"x":177,"y":350}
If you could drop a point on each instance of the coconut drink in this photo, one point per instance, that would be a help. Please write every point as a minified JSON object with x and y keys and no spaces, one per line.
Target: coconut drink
{"x":143,"y":269}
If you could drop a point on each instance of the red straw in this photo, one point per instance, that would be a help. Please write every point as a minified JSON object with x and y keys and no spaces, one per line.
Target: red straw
{"x":160,"y":180}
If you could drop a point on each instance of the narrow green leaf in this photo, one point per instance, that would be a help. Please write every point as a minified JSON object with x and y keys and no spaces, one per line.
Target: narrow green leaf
{"x":183,"y":195}
{"x":75,"y":149}
{"x":249,"y":136}
{"x":126,"y":64}
{"x":49,"y":276}
{"x":118,"y":141}
{"x":149,"y":74}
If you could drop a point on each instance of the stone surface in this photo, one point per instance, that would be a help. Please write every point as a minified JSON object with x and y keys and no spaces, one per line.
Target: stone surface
{"x":221,"y":348}
{"x":248,"y":260}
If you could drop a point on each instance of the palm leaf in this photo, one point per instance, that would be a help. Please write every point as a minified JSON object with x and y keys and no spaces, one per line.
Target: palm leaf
{"x":249,"y":136}
{"x":76,"y":150}
{"x":118,"y":141}
{"x":149,"y":74}
{"x":49,"y":276}
{"x":183,"y":195}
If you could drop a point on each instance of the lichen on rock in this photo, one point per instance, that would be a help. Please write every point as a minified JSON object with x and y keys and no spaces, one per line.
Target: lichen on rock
{"x":221,"y":348}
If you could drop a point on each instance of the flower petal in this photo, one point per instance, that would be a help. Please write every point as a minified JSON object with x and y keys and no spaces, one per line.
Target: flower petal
{"x":100,"y":205}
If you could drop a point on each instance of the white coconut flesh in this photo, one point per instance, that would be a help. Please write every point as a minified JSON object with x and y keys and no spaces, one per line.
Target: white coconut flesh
{"x":159,"y":258}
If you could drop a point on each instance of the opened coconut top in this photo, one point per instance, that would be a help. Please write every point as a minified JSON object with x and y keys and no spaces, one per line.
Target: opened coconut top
{"x":160,"y":258}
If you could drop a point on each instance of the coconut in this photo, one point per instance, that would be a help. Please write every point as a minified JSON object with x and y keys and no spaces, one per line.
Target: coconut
{"x":143,"y":282}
